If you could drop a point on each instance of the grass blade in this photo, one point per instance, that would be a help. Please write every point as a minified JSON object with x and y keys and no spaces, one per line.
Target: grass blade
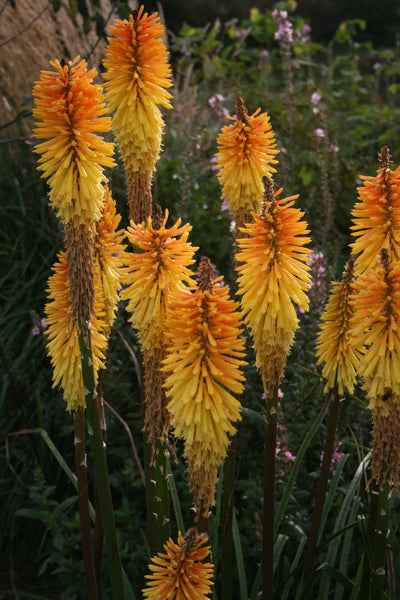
{"x":239,"y":559}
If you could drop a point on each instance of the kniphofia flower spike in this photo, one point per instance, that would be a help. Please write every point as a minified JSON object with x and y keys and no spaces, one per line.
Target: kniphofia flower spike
{"x":109,"y":253}
{"x":154,"y":272}
{"x":180,"y":572}
{"x":62,"y":333}
{"x":334,"y":341}
{"x":246,"y":153}
{"x":376,"y":326}
{"x":69,"y":110}
{"x":203,"y":366}
{"x":376,"y":216}
{"x":137,"y":78}
{"x":273,"y":276}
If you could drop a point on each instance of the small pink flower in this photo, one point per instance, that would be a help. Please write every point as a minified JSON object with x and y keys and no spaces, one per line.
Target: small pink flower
{"x":290,"y":456}
{"x":315,"y":97}
{"x":319,"y":133}
{"x":305,"y":33}
{"x":225,"y":205}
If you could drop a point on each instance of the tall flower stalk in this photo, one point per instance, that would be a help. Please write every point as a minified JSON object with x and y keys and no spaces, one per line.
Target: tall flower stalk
{"x":246,"y":153}
{"x":69,"y":110}
{"x":375,"y":326}
{"x":273,"y":276}
{"x":203,"y":370}
{"x":341,"y":358}
{"x":155,"y":271}
{"x":137,"y":78}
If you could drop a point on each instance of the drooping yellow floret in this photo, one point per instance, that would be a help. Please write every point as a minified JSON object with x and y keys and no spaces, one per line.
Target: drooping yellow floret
{"x":180,"y":572}
{"x":156,"y":269}
{"x":69,"y":111}
{"x":137,"y":78}
{"x":334,"y":342}
{"x":246,"y":153}
{"x":63,"y":343}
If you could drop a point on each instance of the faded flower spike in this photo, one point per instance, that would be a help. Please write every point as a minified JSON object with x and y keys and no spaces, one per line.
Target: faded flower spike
{"x":376,"y":325}
{"x":137,"y":78}
{"x":246,"y":153}
{"x":273,"y":276}
{"x":69,"y":111}
{"x":62,"y":333}
{"x":180,"y":573}
{"x":334,"y":341}
{"x":376,"y":216}
{"x":154,"y":272}
{"x":204,"y":368}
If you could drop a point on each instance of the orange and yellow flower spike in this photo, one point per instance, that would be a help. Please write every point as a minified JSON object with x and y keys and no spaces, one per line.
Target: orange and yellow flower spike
{"x":272,"y":278}
{"x":376,"y":326}
{"x":204,"y":369}
{"x":180,"y":572}
{"x":246,"y":153}
{"x":63,"y":343}
{"x":69,"y":110}
{"x":376,"y":216}
{"x":109,"y":253}
{"x":137,"y":78}
{"x":154,"y":272}
{"x":334,"y":340}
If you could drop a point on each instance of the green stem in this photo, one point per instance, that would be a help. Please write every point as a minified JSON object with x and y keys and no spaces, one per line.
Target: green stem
{"x":269,"y":495}
{"x":380,"y":542}
{"x":161,"y":453}
{"x":321,"y":489}
{"x":100,"y":464}
{"x":150,"y":489}
{"x":157,"y":494}
{"x":83,"y":501}
{"x":227,"y":534}
{"x":374,"y":570}
{"x":98,"y":541}
{"x":203,"y":524}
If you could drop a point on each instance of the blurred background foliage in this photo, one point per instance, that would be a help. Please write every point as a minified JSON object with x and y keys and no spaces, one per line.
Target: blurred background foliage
{"x":333,"y":97}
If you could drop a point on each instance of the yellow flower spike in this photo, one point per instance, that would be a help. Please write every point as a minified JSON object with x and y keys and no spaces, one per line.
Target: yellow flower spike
{"x":137,"y":78}
{"x":109,"y":252}
{"x":272,"y":277}
{"x":180,"y":572}
{"x":154,"y":273}
{"x":69,"y":111}
{"x":63,"y":344}
{"x":246,"y":151}
{"x":334,"y":341}
{"x":375,"y":325}
{"x":203,"y":367}
{"x":376,"y":216}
